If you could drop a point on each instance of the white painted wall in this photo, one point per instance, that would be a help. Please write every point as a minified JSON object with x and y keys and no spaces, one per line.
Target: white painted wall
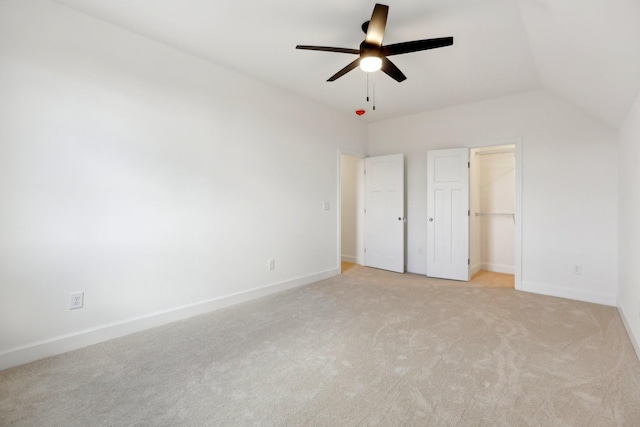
{"x":351,"y":208}
{"x":629,"y":223}
{"x":157,"y":183}
{"x":569,"y":189}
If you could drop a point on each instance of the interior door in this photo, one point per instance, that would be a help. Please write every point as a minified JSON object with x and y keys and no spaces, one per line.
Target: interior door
{"x":384,"y":213}
{"x":448,"y":214}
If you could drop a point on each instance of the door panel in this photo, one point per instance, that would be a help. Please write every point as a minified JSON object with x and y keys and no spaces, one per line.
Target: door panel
{"x":384,"y":212}
{"x":448,"y":214}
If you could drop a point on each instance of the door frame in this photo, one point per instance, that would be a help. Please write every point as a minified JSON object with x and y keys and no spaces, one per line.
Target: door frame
{"x":360,"y":156}
{"x":517,"y":143}
{"x":518,"y":212}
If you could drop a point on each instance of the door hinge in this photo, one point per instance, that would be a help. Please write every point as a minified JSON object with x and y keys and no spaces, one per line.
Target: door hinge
{"x":365,"y":250}
{"x":468,"y":261}
{"x":469,"y":165}
{"x":365,"y":211}
{"x":468,"y":213}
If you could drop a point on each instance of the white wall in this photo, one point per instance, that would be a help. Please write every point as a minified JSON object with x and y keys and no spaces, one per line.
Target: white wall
{"x":155,"y":182}
{"x":629,"y":223}
{"x":569,"y":176}
{"x":351,"y":208}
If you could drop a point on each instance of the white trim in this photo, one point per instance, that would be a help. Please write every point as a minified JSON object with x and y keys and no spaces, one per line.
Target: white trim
{"x":517,"y":142}
{"x":339,"y":213}
{"x":627,"y":326}
{"x":64,"y":343}
{"x":518,"y":285}
{"x":352,"y":259}
{"x":475,"y":269}
{"x":498,"y":268}
{"x":356,"y":260}
{"x":556,"y":291}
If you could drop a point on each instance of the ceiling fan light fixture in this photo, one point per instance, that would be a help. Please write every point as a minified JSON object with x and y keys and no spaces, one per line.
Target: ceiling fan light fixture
{"x":370,"y":63}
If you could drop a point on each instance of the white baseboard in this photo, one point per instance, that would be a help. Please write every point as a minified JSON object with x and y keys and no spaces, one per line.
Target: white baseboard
{"x":555,"y":291}
{"x":475,"y":269}
{"x":627,"y":326}
{"x":352,"y":259}
{"x":64,"y":343}
{"x":497,"y":268}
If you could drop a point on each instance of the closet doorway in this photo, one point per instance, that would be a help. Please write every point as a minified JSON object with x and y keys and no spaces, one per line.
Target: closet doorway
{"x":492,"y":222}
{"x":351,"y":235}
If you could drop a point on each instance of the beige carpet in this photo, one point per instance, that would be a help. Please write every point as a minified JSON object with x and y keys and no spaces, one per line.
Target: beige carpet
{"x":366,"y":348}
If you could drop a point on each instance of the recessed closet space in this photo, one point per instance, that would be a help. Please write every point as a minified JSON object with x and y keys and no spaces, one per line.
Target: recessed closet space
{"x":351,"y":210}
{"x":492,"y":224}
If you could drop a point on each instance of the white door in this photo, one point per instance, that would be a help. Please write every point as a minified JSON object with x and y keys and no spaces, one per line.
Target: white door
{"x":384,"y":212}
{"x":448,"y":214}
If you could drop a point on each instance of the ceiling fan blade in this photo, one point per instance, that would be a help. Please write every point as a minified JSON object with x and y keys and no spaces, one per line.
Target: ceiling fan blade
{"x":375,"y":30}
{"x":345,"y":70}
{"x":392,"y":71}
{"x":329,"y":49}
{"x":416,"y":45}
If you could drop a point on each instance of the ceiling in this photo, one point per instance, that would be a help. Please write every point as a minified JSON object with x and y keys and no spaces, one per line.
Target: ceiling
{"x":586,"y":51}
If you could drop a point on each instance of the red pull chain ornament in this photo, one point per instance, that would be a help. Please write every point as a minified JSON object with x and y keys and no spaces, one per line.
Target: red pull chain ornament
{"x":360,"y":112}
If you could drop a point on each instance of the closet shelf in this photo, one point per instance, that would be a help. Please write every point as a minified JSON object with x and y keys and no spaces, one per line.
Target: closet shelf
{"x":512,"y":215}
{"x":493,"y":213}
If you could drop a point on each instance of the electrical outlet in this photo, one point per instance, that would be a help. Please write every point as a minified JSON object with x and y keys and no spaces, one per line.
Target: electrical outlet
{"x":76,"y":300}
{"x":272,"y":264}
{"x":577,"y":269}
{"x":326,"y":206}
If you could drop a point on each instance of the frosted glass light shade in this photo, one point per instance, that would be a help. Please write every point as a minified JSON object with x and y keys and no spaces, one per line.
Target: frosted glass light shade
{"x":370,"y":63}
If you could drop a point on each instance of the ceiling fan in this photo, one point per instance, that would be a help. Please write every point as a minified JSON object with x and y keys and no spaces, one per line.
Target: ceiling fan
{"x":372,"y":54}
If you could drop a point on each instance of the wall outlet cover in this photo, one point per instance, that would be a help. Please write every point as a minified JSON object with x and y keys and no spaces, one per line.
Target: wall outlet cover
{"x":76,"y":300}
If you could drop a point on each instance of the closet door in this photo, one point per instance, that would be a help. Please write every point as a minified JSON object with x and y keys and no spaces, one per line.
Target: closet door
{"x":384,"y":212}
{"x":448,"y":214}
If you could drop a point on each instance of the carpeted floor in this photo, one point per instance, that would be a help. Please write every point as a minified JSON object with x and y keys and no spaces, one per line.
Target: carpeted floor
{"x":365,"y":348}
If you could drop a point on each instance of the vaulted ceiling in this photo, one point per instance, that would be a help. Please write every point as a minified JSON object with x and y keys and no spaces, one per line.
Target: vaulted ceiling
{"x":586,"y":51}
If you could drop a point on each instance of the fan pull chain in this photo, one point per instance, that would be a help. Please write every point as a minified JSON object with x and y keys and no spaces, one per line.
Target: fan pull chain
{"x":367,"y":87}
{"x":374,"y":93}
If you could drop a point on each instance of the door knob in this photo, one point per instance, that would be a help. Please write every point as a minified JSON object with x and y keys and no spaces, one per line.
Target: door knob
{"x":430,"y":219}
